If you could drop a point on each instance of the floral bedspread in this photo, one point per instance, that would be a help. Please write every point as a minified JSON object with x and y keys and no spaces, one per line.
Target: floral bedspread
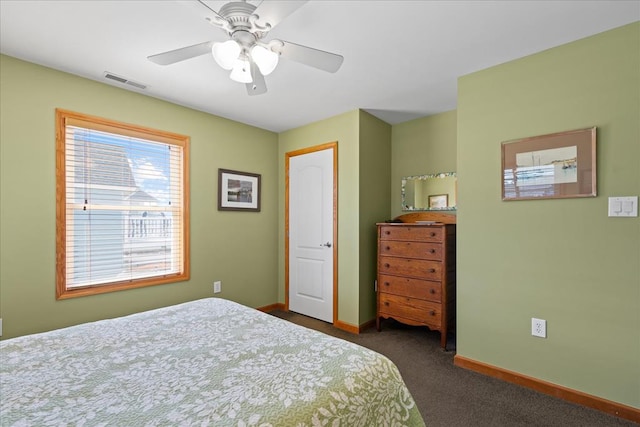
{"x":209,"y":362}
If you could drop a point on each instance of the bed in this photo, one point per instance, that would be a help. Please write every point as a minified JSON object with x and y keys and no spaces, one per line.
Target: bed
{"x":210,"y":362}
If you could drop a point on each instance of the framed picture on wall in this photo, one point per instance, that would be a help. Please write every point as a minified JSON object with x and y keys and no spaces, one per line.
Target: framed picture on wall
{"x":553,"y":166}
{"x":238,"y":191}
{"x":438,"y":201}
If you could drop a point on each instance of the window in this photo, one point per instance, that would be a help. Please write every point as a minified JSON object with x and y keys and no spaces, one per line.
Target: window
{"x":122,"y":206}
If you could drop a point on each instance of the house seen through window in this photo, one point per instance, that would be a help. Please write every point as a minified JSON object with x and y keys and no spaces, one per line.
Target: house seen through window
{"x":122,"y":206}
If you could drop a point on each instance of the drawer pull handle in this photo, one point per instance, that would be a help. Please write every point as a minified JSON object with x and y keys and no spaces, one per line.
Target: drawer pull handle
{"x":432,"y":313}
{"x":432,"y":291}
{"x":433,"y":234}
{"x":386,"y":265}
{"x":432,"y":270}
{"x":388,"y":248}
{"x":386,"y":303}
{"x":433,"y":251}
{"x":387,"y":232}
{"x":386,"y":283}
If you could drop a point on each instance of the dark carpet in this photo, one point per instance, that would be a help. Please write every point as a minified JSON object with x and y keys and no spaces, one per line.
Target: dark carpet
{"x":451,"y":396}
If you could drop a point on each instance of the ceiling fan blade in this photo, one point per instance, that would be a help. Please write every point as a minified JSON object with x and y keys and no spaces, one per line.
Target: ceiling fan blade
{"x":272,"y":12}
{"x":316,"y":58}
{"x":177,"y":55}
{"x":202,"y":9}
{"x":197,"y":6}
{"x":258,"y":86}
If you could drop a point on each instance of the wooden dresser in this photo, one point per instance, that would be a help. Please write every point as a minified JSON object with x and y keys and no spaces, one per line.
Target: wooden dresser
{"x":416,"y":272}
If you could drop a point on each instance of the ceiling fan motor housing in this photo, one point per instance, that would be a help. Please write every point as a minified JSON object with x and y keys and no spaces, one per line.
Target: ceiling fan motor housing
{"x":240,"y":17}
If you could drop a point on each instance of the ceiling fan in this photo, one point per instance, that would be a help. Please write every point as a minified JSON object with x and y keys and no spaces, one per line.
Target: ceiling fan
{"x":245,"y":53}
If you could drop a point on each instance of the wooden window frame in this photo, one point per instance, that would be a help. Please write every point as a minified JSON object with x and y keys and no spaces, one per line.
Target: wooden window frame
{"x":66,"y":118}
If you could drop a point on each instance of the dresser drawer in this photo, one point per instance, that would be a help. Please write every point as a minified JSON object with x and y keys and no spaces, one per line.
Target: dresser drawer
{"x":417,"y":233}
{"x":418,"y":268}
{"x":415,"y":288}
{"x":422,"y":250}
{"x":411,"y":308}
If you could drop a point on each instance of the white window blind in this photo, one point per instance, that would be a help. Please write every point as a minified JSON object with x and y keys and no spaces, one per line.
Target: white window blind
{"x":124,"y":207}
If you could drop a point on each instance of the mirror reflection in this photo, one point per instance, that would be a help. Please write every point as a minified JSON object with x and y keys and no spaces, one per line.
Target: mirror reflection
{"x":435,"y":192}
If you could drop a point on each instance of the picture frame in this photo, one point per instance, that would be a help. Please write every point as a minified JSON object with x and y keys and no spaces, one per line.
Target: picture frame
{"x":238,"y":191}
{"x":439,"y":201}
{"x":553,"y":166}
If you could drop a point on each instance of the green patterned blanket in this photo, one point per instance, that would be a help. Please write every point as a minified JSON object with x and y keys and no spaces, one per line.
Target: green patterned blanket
{"x":210,"y":362}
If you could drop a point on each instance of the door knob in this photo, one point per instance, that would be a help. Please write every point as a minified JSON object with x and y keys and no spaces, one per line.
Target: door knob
{"x":326,"y":244}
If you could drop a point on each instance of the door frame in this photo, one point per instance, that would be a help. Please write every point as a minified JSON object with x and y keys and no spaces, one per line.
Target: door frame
{"x":329,"y":145}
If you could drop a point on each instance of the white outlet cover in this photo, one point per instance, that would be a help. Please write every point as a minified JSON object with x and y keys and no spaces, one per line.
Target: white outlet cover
{"x":538,"y":327}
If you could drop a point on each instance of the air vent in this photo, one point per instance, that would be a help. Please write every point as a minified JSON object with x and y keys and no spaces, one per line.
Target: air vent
{"x":119,"y":79}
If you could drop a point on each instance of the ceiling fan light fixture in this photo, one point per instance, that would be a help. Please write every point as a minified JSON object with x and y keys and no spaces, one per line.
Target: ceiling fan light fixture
{"x":265,"y":59}
{"x":226,"y":54}
{"x":245,"y":54}
{"x":241,"y":72}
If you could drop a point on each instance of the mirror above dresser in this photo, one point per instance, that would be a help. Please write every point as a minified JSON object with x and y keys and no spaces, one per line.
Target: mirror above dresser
{"x":433,"y":192}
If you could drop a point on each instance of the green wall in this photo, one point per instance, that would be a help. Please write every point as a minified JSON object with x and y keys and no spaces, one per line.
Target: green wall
{"x":29,"y":95}
{"x":375,"y":192}
{"x":420,"y":147}
{"x":561,"y":260}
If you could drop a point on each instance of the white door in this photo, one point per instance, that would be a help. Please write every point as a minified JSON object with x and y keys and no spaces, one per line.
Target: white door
{"x":311,"y":234}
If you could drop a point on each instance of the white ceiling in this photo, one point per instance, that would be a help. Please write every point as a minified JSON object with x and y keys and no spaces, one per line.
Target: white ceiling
{"x":402,"y":58}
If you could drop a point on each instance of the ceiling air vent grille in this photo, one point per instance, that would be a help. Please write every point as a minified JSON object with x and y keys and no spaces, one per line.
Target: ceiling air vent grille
{"x":119,"y":79}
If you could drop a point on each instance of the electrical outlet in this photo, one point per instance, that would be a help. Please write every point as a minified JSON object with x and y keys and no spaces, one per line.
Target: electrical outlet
{"x":217,"y":287}
{"x":538,"y":327}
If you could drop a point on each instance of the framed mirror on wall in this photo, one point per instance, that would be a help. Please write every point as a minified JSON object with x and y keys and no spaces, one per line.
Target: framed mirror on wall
{"x":434,"y":192}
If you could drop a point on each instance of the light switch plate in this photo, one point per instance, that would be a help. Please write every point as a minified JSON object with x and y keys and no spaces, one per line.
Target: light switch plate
{"x":623,"y":206}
